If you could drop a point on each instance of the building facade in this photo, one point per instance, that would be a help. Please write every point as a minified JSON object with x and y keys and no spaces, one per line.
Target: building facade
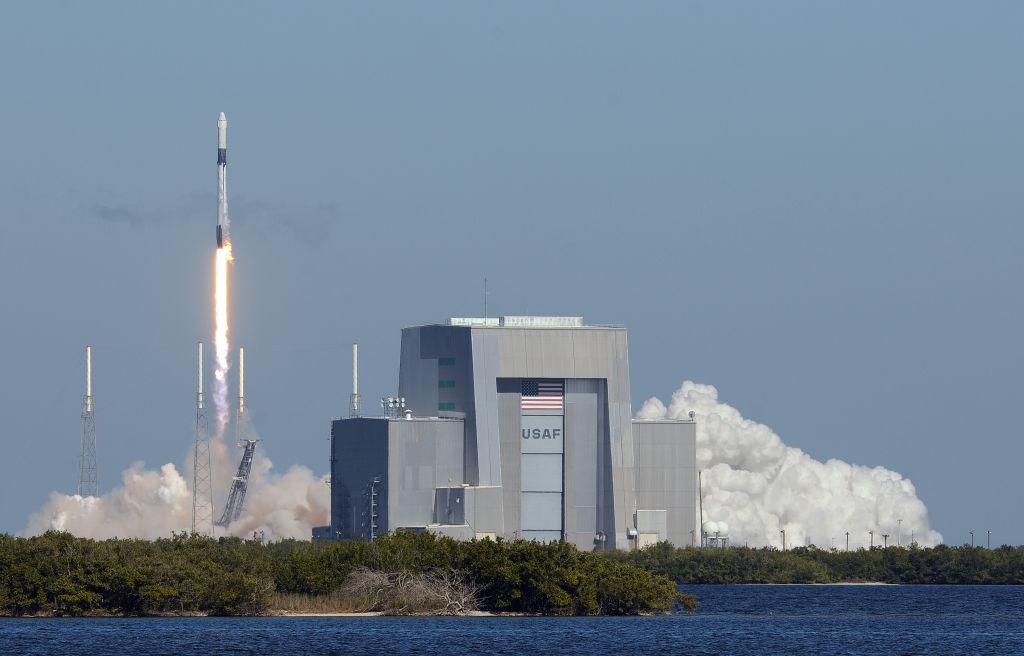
{"x":515,"y":427}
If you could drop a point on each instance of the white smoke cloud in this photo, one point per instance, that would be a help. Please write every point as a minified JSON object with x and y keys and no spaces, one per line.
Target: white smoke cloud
{"x":756,"y":486}
{"x":154,"y":503}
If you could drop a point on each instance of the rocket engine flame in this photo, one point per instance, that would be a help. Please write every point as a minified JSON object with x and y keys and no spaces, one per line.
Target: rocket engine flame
{"x":221,"y":338}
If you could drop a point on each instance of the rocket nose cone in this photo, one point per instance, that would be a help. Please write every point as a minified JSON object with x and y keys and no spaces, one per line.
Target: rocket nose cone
{"x":222,"y":119}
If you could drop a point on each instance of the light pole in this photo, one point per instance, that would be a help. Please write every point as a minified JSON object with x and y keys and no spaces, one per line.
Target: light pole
{"x":871,"y":539}
{"x":885,"y":540}
{"x":847,"y":540}
{"x":988,"y":539}
{"x":972,"y":538}
{"x":783,"y":531}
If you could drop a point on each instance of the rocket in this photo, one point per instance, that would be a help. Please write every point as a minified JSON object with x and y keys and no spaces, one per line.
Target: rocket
{"x":223,"y":224}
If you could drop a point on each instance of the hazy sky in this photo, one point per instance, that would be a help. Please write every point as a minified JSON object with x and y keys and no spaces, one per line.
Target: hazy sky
{"x":816,"y":207}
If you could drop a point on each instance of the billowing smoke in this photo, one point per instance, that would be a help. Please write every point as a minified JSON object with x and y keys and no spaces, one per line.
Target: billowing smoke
{"x":755,"y":486}
{"x":154,"y":503}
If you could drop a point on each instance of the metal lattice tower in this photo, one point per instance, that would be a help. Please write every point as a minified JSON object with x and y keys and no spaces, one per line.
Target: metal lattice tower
{"x":88,"y":479}
{"x":240,"y":483}
{"x":202,"y":486}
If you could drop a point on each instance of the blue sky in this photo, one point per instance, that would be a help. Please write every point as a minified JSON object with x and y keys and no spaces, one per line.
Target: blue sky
{"x":816,"y":207}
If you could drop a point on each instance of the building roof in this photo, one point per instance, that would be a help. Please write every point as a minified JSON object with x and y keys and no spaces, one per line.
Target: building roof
{"x":519,"y":321}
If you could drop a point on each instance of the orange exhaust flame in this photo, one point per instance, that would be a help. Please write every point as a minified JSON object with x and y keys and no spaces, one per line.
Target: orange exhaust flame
{"x":221,"y":335}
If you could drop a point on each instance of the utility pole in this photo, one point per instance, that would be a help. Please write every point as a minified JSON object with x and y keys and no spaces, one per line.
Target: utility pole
{"x":871,"y":538}
{"x":783,"y":531}
{"x":972,"y":538}
{"x":988,"y":539}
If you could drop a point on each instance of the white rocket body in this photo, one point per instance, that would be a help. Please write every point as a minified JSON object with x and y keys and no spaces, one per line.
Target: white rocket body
{"x":223,"y":224}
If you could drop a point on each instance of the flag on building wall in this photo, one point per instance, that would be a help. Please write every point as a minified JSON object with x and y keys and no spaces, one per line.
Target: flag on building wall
{"x":543,"y":395}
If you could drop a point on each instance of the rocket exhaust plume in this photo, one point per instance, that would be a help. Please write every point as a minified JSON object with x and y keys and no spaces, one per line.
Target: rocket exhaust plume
{"x":221,"y":341}
{"x":221,"y":337}
{"x":755,"y":486}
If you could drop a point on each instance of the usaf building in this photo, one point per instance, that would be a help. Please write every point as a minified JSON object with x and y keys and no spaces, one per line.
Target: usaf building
{"x":515,"y":427}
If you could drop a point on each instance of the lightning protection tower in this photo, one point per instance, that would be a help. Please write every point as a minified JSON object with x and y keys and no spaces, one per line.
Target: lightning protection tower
{"x":88,"y":479}
{"x":202,"y":487}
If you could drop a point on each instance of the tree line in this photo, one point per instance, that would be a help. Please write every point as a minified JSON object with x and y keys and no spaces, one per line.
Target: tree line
{"x":936,"y":565}
{"x":59,"y":574}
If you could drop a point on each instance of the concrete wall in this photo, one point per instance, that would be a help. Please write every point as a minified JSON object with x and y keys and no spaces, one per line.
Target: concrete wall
{"x":425,"y":454}
{"x":509,"y":425}
{"x":587,"y":507}
{"x":477,"y":508}
{"x":666,"y":470}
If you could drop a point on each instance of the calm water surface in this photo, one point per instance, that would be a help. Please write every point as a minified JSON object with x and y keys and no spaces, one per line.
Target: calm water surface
{"x":731,"y":620}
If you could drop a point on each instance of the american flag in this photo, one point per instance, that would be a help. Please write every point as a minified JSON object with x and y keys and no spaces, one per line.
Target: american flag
{"x":543,"y":395}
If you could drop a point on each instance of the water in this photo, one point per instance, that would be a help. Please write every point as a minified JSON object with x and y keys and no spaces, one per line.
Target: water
{"x":732,"y":620}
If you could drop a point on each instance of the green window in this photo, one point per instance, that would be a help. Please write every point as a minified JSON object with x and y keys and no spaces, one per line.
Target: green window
{"x":446,"y":362}
{"x":446,"y":384}
{"x":446,"y":406}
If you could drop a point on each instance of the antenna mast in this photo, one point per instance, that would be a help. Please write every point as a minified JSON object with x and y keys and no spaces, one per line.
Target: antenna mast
{"x":202,"y":487}
{"x":88,"y":479}
{"x":354,"y":402}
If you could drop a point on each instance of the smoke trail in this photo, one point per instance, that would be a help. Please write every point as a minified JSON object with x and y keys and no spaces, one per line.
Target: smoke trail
{"x":153,"y":503}
{"x":755,"y":486}
{"x":221,"y":343}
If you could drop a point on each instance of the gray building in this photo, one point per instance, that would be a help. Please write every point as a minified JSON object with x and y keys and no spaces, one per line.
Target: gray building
{"x":515,"y":427}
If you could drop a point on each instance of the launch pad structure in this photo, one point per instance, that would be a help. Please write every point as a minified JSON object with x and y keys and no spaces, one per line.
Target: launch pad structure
{"x":240,"y":483}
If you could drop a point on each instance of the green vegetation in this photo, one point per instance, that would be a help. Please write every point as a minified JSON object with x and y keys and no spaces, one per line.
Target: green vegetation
{"x":59,"y":574}
{"x":941,"y":564}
